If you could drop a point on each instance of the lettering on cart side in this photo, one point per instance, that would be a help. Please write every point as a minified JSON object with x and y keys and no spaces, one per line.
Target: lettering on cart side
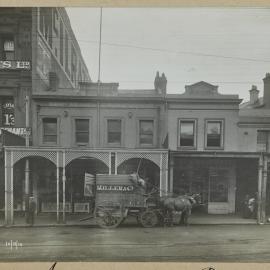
{"x":114,"y":188}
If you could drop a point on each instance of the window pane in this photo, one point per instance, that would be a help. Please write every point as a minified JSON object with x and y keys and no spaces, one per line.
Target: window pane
{"x":187,"y":133}
{"x":213,"y":127}
{"x":114,"y":137}
{"x":114,"y":125}
{"x":9,"y":56}
{"x":114,"y":131}
{"x":146,"y":139}
{"x":9,"y":45}
{"x":50,"y":130}
{"x":262,"y":137}
{"x":82,"y":137}
{"x":214,"y":134}
{"x":146,"y":131}
{"x":82,"y":125}
{"x":82,"y":130}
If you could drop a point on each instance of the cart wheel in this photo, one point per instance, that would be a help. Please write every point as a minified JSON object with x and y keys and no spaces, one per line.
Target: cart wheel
{"x":149,"y":219}
{"x":108,"y":221}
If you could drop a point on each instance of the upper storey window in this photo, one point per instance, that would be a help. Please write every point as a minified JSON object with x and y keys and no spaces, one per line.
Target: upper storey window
{"x":7,"y":49}
{"x":114,"y":131}
{"x":146,"y":132}
{"x":263,"y":140}
{"x":187,"y":131}
{"x":214,"y":134}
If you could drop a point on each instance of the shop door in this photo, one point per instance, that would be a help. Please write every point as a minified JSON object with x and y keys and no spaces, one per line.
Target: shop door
{"x":218,"y":193}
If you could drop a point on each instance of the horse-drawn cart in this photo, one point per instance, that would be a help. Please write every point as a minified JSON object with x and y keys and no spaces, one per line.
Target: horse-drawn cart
{"x":120,"y":196}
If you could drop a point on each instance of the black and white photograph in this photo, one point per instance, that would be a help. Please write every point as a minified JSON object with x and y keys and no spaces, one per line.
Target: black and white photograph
{"x":135,"y":134}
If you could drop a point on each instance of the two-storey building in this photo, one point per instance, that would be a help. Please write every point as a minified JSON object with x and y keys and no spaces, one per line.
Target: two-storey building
{"x":95,"y":129}
{"x":205,"y":156}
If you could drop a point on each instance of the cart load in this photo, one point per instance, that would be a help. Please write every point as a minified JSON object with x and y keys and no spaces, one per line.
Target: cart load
{"x":116,"y":196}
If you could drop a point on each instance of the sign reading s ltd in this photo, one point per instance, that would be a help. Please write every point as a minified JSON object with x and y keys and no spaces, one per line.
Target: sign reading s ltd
{"x":15,"y":65}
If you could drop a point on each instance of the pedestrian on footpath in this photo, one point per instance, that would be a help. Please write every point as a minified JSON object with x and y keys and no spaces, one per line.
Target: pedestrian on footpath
{"x":32,"y":210}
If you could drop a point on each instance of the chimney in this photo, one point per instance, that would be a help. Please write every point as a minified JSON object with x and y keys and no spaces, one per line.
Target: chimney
{"x":160,"y":83}
{"x":254,"y":95}
{"x":266,"y":90}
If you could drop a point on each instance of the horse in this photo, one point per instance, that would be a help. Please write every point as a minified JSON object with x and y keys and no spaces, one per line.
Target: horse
{"x":182,"y":203}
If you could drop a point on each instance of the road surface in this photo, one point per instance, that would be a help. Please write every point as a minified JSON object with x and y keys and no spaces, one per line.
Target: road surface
{"x":197,"y":243}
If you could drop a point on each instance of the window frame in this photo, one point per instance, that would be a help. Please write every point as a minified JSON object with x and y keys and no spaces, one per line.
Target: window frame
{"x":222,"y":129}
{"x":74,"y":131}
{"x":57,"y":129}
{"x":4,"y":37}
{"x":183,"y":147}
{"x":263,"y":147}
{"x":121,"y":130}
{"x":143,"y":145}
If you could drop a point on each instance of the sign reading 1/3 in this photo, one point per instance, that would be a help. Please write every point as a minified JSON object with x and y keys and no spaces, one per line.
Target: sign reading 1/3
{"x":8,"y":113}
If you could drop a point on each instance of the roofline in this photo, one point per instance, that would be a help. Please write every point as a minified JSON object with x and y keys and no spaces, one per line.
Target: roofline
{"x":99,"y":98}
{"x":132,"y":98}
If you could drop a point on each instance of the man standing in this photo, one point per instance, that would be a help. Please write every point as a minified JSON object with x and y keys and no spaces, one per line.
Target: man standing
{"x":32,"y":210}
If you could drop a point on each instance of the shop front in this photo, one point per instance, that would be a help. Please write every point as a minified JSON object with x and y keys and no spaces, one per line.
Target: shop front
{"x":223,"y":181}
{"x":57,"y":180}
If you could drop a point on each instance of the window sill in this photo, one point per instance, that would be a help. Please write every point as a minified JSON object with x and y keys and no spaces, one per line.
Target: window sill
{"x":146,"y":146}
{"x":214,"y":148}
{"x":49,"y":144}
{"x":184,"y":148}
{"x":81,"y":145}
{"x":114,"y":145}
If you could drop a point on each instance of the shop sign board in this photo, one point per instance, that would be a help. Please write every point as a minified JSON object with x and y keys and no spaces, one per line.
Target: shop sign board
{"x":15,"y":65}
{"x":20,"y":131}
{"x":8,"y":113}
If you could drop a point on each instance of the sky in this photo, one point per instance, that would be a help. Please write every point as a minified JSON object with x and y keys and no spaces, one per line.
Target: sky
{"x":228,"y":47}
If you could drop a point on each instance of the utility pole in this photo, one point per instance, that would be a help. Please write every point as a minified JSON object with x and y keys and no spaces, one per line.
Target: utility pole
{"x":27,"y":143}
{"x":98,"y":90}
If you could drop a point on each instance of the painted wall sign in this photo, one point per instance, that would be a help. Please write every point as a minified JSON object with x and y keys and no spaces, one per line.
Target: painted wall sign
{"x":114,"y":188}
{"x":13,"y":65}
{"x":17,"y":130}
{"x":8,"y":118}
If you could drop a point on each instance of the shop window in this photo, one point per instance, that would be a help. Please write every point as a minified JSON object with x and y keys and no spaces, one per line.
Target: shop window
{"x":7,"y":49}
{"x":82,"y":131}
{"x":114,"y":131}
{"x":187,"y":133}
{"x":50,"y":130}
{"x":262,"y":140}
{"x":214,"y":134}
{"x":146,"y":132}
